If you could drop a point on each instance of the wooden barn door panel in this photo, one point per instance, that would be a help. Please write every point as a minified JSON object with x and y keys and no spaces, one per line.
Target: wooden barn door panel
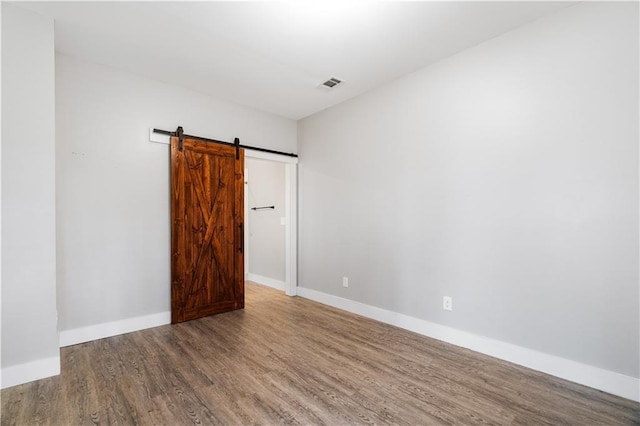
{"x":207,"y":209}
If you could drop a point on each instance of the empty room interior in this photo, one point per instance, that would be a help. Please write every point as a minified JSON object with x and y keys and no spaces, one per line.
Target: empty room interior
{"x":320,"y":213}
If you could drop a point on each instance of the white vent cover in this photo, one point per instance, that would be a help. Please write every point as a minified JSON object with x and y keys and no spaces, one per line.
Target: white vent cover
{"x":331,"y":83}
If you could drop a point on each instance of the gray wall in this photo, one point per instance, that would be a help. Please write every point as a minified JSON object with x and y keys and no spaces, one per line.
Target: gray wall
{"x":505,"y":176}
{"x":29,"y":322}
{"x":113,"y":184}
{"x":266,"y":234}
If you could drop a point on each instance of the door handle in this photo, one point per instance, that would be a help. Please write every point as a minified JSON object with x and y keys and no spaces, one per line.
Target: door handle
{"x":241,"y":248}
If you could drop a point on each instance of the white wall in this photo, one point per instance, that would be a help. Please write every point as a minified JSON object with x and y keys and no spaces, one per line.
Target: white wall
{"x":505,"y":176}
{"x":29,"y":320}
{"x":266,"y":234}
{"x":113,"y":188}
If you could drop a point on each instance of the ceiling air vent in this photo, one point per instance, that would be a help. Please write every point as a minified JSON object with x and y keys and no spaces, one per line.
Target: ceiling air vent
{"x":331,"y":83}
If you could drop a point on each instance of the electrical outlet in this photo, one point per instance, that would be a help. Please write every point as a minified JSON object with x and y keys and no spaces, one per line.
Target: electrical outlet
{"x":345,"y":282}
{"x":447,"y":303}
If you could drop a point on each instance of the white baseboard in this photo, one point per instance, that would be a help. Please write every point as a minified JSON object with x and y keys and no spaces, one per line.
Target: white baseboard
{"x":598,"y":378}
{"x":114,"y":328}
{"x":269,"y":282}
{"x":30,"y":371}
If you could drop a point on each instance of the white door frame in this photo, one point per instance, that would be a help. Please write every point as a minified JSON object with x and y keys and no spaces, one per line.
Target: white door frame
{"x":291,"y":217}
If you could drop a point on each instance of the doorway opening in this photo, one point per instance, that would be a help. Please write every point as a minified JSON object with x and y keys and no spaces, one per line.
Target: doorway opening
{"x":270,"y":220}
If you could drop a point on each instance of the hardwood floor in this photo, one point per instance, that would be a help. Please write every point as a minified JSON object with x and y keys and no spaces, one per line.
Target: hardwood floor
{"x":294,"y":361}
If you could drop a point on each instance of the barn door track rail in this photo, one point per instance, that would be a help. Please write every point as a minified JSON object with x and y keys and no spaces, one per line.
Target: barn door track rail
{"x":179,"y":133}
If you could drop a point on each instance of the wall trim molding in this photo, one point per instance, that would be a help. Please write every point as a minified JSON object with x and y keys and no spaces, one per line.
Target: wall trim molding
{"x":595,"y":377}
{"x":113,"y":328}
{"x":269,"y":282}
{"x":30,"y":371}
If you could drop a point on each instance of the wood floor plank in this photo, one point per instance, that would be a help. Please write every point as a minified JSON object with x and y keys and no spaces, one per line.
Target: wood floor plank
{"x":291,"y":361}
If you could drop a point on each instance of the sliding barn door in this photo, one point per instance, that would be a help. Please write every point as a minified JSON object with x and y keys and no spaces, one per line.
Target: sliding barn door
{"x":207,"y":235}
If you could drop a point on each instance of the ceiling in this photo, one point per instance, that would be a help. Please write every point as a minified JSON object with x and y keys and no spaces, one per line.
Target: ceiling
{"x":274,"y":55}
